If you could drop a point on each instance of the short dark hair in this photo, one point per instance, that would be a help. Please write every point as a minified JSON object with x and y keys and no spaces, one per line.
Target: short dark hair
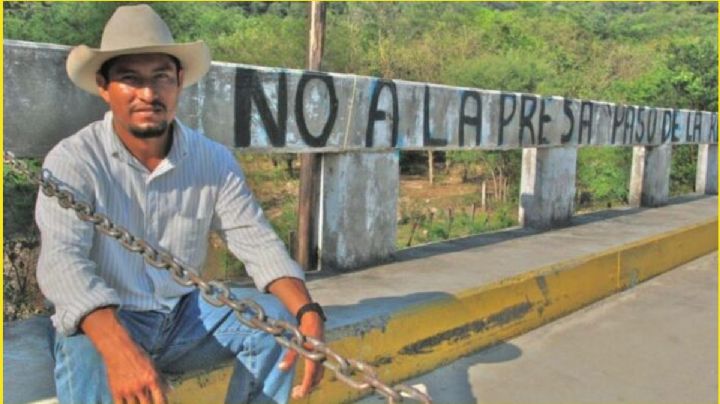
{"x":105,"y":68}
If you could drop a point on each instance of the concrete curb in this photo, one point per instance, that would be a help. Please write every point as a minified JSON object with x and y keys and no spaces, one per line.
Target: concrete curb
{"x":426,"y":336}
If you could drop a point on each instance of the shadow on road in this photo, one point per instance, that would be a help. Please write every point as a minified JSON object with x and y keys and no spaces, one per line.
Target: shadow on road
{"x":453,"y":385}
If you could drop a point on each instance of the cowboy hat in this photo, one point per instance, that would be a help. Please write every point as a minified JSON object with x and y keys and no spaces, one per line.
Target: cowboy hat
{"x":133,"y":30}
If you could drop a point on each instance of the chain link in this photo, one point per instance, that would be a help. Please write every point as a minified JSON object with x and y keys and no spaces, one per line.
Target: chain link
{"x":356,"y":374}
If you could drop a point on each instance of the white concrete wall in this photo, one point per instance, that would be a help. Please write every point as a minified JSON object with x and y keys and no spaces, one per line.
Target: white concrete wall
{"x":547,"y":187}
{"x":706,"y":178}
{"x":359,"y":209}
{"x":650,"y":176}
{"x":273,"y":109}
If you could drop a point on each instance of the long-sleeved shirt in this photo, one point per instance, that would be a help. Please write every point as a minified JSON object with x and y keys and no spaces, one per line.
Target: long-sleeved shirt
{"x":197,"y":188}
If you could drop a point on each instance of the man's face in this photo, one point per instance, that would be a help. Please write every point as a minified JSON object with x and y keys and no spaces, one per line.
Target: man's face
{"x":142,"y":91}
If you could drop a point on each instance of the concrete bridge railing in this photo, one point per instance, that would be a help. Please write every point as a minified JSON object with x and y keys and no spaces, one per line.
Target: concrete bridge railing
{"x":359,"y":123}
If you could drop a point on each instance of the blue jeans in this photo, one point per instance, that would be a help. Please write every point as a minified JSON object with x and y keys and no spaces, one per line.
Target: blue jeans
{"x":195,"y":335}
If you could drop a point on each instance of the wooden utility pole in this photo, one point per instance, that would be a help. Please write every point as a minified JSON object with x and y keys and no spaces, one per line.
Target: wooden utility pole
{"x":483,"y":195}
{"x":306,"y":251}
{"x":431,"y":167}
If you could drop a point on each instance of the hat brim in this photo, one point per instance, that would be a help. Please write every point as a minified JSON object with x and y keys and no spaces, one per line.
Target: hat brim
{"x":84,"y":62}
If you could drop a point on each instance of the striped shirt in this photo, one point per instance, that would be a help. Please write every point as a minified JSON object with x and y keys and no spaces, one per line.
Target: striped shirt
{"x":197,"y":188}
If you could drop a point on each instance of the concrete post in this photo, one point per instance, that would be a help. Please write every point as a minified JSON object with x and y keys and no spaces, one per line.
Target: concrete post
{"x":547,"y":187}
{"x":650,"y":177}
{"x":706,"y":179}
{"x":359,"y":194}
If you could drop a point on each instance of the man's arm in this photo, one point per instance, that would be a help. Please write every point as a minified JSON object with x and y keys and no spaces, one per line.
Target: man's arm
{"x":131,"y":374}
{"x":241,"y":223}
{"x":293,"y":294}
{"x":82,"y":299}
{"x":65,"y":273}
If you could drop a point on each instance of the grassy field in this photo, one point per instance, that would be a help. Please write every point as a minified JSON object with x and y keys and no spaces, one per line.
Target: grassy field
{"x":444,"y":210}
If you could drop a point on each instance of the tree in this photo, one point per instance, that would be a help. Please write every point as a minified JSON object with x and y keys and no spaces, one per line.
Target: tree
{"x":694,"y":73}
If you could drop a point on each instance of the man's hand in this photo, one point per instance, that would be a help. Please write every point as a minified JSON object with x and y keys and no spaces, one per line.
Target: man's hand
{"x":293,"y":293}
{"x":311,"y":326}
{"x":132,"y":378}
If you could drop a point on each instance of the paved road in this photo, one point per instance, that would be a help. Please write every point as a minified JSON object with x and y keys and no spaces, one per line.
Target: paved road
{"x":656,"y":343}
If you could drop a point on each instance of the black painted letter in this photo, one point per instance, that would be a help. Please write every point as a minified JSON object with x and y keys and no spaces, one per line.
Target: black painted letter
{"x":640,"y":134}
{"x":667,"y":128}
{"x":428,"y":140}
{"x":629,"y":124}
{"x":652,"y":118}
{"x":617,"y":122}
{"x":376,"y":115}
{"x":712,"y":129}
{"x":697,"y":127}
{"x":505,"y":121}
{"x":526,"y":117}
{"x":476,"y":120}
{"x":585,"y":122}
{"x":247,"y":89}
{"x":544,"y":118}
{"x":564,"y":139}
{"x":307,"y":137}
{"x":675,"y":126}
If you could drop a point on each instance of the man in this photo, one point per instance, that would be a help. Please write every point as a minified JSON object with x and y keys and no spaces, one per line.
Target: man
{"x":119,"y":321}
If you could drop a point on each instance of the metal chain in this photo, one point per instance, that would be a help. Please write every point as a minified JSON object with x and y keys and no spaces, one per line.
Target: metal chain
{"x":356,"y":374}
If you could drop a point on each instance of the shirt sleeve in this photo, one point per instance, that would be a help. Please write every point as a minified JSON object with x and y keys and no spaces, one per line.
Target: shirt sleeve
{"x":243,"y":226}
{"x":66,"y":274}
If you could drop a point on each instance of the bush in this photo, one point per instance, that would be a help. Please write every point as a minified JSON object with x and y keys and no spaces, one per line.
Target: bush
{"x":604,"y":173}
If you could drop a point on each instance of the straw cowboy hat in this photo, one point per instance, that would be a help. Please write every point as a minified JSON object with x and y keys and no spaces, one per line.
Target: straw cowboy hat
{"x":133,"y":30}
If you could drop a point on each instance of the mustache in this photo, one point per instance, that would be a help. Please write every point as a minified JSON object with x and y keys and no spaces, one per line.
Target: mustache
{"x":155,"y":105}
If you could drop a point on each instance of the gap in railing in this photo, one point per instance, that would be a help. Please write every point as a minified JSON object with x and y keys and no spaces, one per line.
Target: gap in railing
{"x":441,"y":194}
{"x":602,"y":179}
{"x":274,"y":180}
{"x":683,"y":169}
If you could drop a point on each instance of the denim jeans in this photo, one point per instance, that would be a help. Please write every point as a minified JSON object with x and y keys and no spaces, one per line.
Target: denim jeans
{"x":195,"y":335}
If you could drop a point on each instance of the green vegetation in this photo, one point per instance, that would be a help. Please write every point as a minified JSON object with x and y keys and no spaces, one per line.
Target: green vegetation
{"x":682,"y":169}
{"x":20,"y":290}
{"x":648,"y":53}
{"x":19,"y":197}
{"x":603,"y":175}
{"x":275,"y":184}
{"x":438,"y":225}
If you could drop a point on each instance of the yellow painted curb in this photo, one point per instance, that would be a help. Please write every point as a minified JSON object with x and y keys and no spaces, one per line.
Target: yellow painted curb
{"x":425,"y":336}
